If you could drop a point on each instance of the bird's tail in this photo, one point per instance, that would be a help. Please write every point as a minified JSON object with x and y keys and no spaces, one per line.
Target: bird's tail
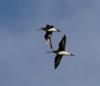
{"x":38,"y":29}
{"x":53,"y":51}
{"x":41,"y":29}
{"x":49,"y":52}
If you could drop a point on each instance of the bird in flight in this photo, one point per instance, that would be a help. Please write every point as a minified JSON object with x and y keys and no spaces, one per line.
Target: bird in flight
{"x":49,"y":29}
{"x":60,"y":52}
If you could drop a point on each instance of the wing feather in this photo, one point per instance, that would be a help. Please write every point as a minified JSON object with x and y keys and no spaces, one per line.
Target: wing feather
{"x":57,"y":60}
{"x":62,"y":44}
{"x":48,"y":38}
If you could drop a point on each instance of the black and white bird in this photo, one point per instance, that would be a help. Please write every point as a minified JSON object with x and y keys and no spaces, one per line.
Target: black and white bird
{"x":60,"y":52}
{"x":49,"y":29}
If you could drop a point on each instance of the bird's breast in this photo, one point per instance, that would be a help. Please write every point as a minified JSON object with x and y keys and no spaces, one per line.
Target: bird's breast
{"x":64,"y":53}
{"x":52,"y":30}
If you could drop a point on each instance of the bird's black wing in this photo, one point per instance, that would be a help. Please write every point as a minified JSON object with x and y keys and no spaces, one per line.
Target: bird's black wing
{"x":49,"y":26}
{"x":57,"y":60}
{"x":62,"y":44}
{"x":48,"y":38}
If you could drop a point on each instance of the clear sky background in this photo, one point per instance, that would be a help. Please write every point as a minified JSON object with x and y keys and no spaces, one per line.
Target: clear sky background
{"x":23,"y":61}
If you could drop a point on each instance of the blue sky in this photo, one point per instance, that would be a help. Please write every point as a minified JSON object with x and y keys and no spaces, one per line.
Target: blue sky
{"x":23,"y":61}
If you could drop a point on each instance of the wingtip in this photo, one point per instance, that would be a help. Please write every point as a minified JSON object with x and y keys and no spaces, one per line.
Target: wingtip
{"x":64,"y":35}
{"x":55,"y":66}
{"x":50,"y":46}
{"x":48,"y":41}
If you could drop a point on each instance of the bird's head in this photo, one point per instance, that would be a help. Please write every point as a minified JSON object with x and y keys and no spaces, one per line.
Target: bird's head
{"x":58,"y":30}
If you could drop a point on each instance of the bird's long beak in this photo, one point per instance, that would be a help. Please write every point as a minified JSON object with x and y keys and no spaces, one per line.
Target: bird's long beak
{"x":72,"y":55}
{"x":58,"y":30}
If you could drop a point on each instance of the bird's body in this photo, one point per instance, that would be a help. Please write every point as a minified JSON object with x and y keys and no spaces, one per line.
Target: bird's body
{"x":61,"y":52}
{"x":52,"y":30}
{"x":49,"y":29}
{"x":64,"y":53}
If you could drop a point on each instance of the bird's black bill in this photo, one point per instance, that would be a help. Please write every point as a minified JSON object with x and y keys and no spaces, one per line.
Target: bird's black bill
{"x":58,"y":30}
{"x":72,"y":55}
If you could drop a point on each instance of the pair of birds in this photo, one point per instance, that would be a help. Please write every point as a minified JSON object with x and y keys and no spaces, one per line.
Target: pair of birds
{"x":60,"y":52}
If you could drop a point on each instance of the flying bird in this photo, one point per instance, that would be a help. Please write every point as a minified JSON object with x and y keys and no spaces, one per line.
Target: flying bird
{"x":60,"y":52}
{"x":49,"y":29}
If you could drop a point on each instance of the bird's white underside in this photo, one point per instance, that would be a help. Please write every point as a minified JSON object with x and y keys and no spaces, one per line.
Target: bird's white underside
{"x":65,"y":53}
{"x":52,"y":29}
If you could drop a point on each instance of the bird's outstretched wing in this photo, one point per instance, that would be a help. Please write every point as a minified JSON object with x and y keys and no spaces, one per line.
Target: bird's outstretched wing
{"x":57,"y":60}
{"x":62,"y":44}
{"x":48,"y":39}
